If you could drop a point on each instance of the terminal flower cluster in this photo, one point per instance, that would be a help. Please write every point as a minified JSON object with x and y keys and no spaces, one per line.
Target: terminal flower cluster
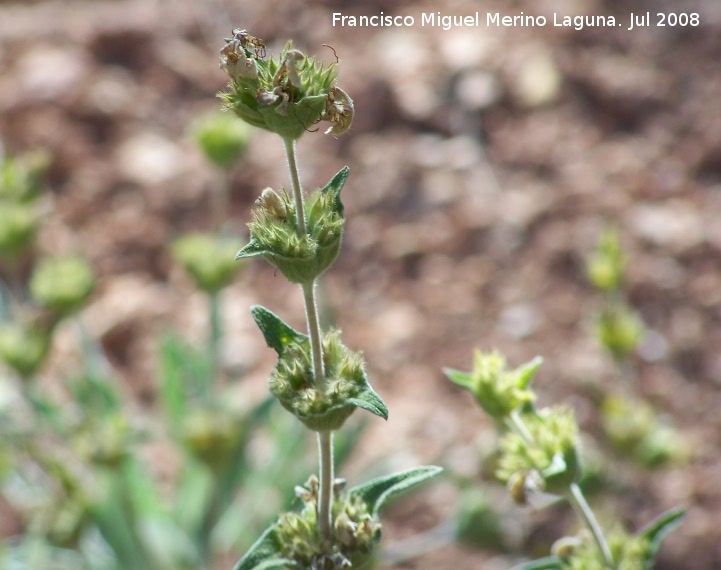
{"x":288,"y":95}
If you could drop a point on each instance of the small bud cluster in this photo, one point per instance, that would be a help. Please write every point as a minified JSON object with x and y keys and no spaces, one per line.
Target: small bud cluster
{"x":544,"y":458}
{"x":20,"y":182}
{"x":606,"y":266}
{"x":319,"y":407}
{"x":62,"y":284}
{"x":497,"y":390}
{"x":207,"y":259}
{"x":212,"y":434}
{"x":222,"y":142}
{"x":579,"y":552}
{"x":286,"y":96}
{"x":355,"y":531}
{"x":617,"y":327}
{"x":540,"y":450}
{"x":301,"y":258}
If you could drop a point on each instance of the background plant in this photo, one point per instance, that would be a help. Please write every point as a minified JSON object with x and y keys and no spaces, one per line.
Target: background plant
{"x":541,"y":453}
{"x":74,"y":464}
{"x":631,"y":424}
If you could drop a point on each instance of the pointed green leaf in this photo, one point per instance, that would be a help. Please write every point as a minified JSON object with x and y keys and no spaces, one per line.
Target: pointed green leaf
{"x":369,"y":400}
{"x":557,"y":466}
{"x":657,"y":530}
{"x":525,"y":372}
{"x":335,"y":186}
{"x":265,"y":554}
{"x":463,"y":379}
{"x":547,"y":563}
{"x":377,"y":491}
{"x":277,"y":334}
{"x":252,"y":249}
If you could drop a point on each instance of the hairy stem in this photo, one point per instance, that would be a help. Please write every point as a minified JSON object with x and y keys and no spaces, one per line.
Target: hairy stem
{"x":325,"y":438}
{"x":311,"y":314}
{"x":325,"y":493}
{"x":516,"y":424}
{"x":295,"y":182}
{"x":583,"y":509}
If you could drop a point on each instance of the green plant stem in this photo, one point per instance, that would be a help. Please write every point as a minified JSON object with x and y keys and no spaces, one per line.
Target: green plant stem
{"x":219,"y":201}
{"x":325,"y":438}
{"x":325,"y":492}
{"x":311,"y":314}
{"x":575,"y":496}
{"x":515,"y":423}
{"x":215,"y":333}
{"x":295,"y":182}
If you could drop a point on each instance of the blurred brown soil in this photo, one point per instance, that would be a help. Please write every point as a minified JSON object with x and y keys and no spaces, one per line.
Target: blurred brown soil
{"x":484,"y":164}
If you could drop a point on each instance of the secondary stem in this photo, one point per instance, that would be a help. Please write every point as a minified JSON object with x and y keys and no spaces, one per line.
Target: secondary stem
{"x":584,"y":510}
{"x":515,"y":423}
{"x":575,"y":495}
{"x":325,"y":438}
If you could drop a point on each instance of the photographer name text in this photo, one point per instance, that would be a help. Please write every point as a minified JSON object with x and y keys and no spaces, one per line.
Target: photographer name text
{"x":520,"y":20}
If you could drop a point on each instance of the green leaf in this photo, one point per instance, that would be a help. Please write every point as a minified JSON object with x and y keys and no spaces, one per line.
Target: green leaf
{"x":657,"y":530}
{"x":277,"y":334}
{"x":557,"y":466}
{"x":252,"y":249}
{"x":463,"y":379}
{"x":547,"y":563}
{"x":265,"y":554}
{"x":525,"y":372}
{"x":369,"y":400}
{"x":335,"y":186}
{"x":375,"y":493}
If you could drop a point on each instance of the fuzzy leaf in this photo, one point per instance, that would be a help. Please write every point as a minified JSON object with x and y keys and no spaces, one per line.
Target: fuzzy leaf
{"x":370,"y":401}
{"x":463,"y":379}
{"x":335,"y":186}
{"x":265,"y":554}
{"x":277,"y":334}
{"x":251,"y":249}
{"x":377,"y":491}
{"x":547,"y":563}
{"x":657,"y":530}
{"x":526,"y":371}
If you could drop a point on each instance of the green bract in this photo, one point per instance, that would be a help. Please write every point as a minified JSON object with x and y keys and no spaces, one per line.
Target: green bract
{"x":549,"y":449}
{"x":346,"y":387}
{"x":294,"y":541}
{"x":497,"y":390}
{"x":273,"y":232}
{"x":287,"y":95}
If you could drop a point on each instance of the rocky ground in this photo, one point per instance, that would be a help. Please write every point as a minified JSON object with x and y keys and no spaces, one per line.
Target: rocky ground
{"x":485,"y":162}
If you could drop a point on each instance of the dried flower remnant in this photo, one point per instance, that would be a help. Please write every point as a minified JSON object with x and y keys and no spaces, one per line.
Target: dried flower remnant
{"x":285,"y":95}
